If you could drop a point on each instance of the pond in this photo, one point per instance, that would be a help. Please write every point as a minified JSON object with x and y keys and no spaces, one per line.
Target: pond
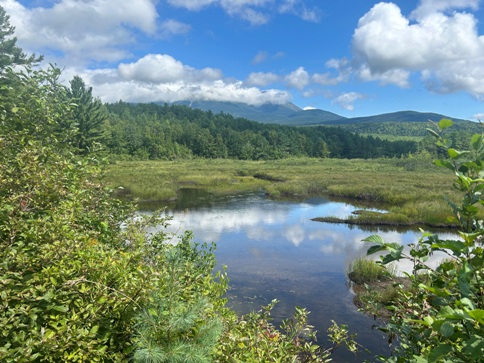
{"x":273,"y":250}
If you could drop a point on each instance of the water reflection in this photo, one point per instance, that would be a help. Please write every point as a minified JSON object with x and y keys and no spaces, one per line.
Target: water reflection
{"x":274,"y":250}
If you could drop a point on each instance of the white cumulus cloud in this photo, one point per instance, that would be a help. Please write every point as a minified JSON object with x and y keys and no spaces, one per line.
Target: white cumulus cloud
{"x":162,"y":68}
{"x":347,"y":100}
{"x":428,"y":7}
{"x":259,"y":57}
{"x":299,"y":8}
{"x":162,"y":78}
{"x":478,"y":116}
{"x":445,"y":49}
{"x":298,"y":78}
{"x":82,"y":30}
{"x":253,"y":11}
{"x":192,"y":4}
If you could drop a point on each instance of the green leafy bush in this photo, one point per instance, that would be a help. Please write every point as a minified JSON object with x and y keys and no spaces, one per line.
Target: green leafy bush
{"x":441,"y":318}
{"x":69,"y":281}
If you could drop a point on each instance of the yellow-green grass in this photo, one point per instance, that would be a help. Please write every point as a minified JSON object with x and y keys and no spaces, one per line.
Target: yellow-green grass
{"x":414,"y":195}
{"x":364,"y":271}
{"x":376,"y":287}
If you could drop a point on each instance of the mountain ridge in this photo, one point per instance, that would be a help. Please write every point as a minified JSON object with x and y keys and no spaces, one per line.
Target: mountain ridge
{"x":292,"y":115}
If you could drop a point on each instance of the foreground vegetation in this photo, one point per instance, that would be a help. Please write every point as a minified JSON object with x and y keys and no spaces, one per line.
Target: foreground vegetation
{"x":410,"y":189}
{"x":81,"y":278}
{"x":440,"y":317}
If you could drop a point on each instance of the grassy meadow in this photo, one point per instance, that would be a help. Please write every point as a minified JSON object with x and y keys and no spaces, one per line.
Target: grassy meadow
{"x":411,"y":190}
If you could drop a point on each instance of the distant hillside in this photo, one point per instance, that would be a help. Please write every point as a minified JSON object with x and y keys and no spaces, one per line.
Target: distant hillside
{"x":315,"y":117}
{"x":402,"y":123}
{"x":266,"y":113}
{"x":401,"y":116}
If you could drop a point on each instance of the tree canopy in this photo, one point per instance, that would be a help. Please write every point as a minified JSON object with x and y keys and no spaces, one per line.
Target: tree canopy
{"x":152,"y":131}
{"x":10,"y":54}
{"x":89,"y":115}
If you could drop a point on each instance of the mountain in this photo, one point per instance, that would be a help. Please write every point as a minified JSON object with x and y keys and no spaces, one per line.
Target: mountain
{"x":315,"y":117}
{"x":402,"y":123}
{"x":283,"y":114}
{"x":401,"y":116}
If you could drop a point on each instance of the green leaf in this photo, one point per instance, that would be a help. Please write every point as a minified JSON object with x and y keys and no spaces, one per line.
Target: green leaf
{"x":478,"y":315}
{"x":433,"y":133}
{"x":447,"y":329}
{"x":445,"y":123}
{"x":62,"y":309}
{"x":374,"y":239}
{"x":418,"y":359}
{"x":474,"y":347}
{"x":375,"y":249}
{"x":463,"y":283}
{"x":94,"y":330}
{"x":428,"y":320}
{"x":48,"y":295}
{"x":439,"y":352}
{"x":455,"y":154}
{"x":467,"y":303}
{"x":153,"y":312}
{"x":49,"y":334}
{"x":445,"y":163}
{"x":476,"y":141}
{"x":457,"y":247}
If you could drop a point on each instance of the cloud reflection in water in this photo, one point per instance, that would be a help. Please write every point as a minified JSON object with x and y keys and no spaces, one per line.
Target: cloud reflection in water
{"x":274,"y":250}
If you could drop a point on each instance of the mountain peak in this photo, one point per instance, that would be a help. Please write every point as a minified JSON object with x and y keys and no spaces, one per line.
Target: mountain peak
{"x":286,"y":114}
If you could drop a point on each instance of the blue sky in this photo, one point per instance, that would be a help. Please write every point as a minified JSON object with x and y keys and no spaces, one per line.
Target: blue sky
{"x":354,"y":58}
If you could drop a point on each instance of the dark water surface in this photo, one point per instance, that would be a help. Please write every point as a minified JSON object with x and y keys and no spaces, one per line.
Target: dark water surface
{"x":273,"y":250}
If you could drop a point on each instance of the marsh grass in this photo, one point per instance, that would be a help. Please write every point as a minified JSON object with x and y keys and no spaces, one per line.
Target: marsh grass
{"x":375,"y":286}
{"x":410,"y":196}
{"x":363,"y":271}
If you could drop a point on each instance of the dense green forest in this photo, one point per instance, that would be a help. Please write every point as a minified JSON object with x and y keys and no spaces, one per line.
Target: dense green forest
{"x":405,"y":128}
{"x":151,"y":131}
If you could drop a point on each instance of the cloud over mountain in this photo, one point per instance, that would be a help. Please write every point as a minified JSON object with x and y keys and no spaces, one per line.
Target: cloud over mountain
{"x":241,"y":51}
{"x":158,"y":77}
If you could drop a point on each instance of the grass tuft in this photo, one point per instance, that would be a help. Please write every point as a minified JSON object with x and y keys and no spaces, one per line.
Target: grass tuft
{"x":364,"y":271}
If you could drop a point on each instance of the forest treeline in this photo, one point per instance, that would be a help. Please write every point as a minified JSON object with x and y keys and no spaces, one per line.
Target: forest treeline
{"x":461,"y":130}
{"x":153,"y":131}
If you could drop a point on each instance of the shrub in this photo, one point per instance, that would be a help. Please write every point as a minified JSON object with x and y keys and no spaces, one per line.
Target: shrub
{"x":441,"y":318}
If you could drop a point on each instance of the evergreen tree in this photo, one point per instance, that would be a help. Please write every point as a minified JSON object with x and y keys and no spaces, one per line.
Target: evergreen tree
{"x":89,"y":115}
{"x":180,"y":325}
{"x":10,"y":53}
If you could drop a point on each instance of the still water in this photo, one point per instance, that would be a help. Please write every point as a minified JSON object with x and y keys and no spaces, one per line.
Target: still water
{"x":273,"y":250}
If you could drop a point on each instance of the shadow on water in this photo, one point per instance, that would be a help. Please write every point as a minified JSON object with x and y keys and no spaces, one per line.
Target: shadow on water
{"x":187,"y":198}
{"x":273,"y":250}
